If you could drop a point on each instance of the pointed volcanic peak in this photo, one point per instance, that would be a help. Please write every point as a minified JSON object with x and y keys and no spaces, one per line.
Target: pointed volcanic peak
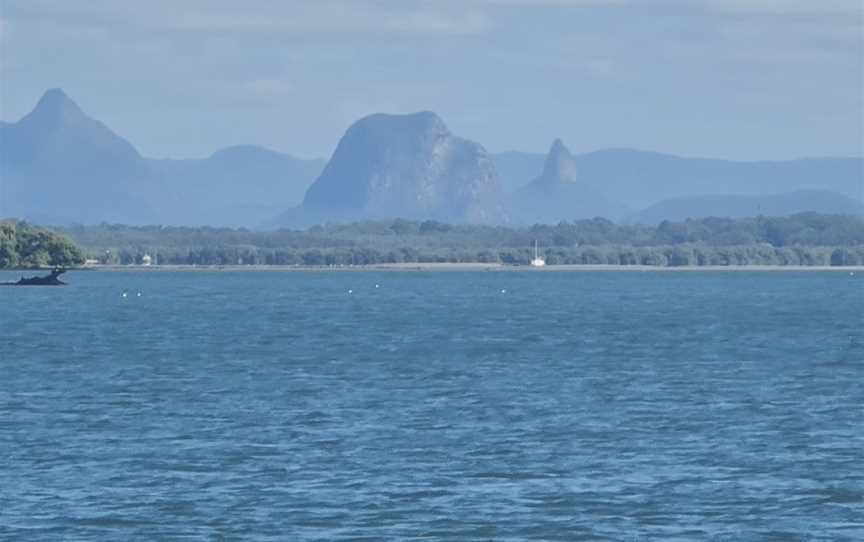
{"x":558,"y":195}
{"x":407,"y":166}
{"x":57,"y":129}
{"x":560,"y":166}
{"x":61,"y":163}
{"x":53,"y":110}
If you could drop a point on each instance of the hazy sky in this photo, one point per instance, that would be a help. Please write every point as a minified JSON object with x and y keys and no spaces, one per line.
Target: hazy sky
{"x":741,"y":79}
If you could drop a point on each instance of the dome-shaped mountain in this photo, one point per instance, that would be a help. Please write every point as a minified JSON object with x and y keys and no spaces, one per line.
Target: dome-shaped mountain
{"x":558,"y":195}
{"x":407,"y":166}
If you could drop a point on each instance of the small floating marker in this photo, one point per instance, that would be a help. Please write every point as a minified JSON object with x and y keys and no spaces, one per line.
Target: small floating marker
{"x":376,"y":285}
{"x":139,"y":294}
{"x":350,"y":291}
{"x":503,"y":291}
{"x":851,"y":273}
{"x":124,"y":294}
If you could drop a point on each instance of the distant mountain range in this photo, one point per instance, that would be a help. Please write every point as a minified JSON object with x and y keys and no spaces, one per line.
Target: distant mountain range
{"x":60,"y":166}
{"x":737,"y":206}
{"x":237,"y":186}
{"x":638,"y":179}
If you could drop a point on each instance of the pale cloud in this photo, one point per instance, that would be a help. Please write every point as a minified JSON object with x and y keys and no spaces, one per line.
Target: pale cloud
{"x":324,"y":18}
{"x":4,"y":34}
{"x":268,"y":88}
{"x":298,"y":17}
{"x":434,"y":22}
{"x":551,"y":3}
{"x":598,"y":67}
{"x":321,"y":54}
{"x":565,"y":60}
{"x":796,"y":30}
{"x":152,"y":46}
{"x":741,"y":44}
{"x":62,"y":30}
{"x":844,"y":8}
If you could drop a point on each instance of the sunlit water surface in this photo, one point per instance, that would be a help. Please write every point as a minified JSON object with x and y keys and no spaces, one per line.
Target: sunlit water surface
{"x":440,"y":406}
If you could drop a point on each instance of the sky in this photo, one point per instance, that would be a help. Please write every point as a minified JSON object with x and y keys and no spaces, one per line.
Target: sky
{"x":737,"y":79}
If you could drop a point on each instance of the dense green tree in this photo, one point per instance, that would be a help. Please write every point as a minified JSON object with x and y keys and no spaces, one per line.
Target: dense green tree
{"x":23,"y":245}
{"x":8,"y":246}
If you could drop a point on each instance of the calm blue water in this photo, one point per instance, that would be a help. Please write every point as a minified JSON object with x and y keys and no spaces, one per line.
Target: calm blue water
{"x":596,"y":406}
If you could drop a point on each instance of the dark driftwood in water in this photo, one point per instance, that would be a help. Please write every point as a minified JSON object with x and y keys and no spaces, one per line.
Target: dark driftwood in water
{"x":48,"y":280}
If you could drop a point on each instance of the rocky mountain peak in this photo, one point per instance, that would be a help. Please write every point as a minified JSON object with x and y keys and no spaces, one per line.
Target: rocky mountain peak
{"x":560,"y":166}
{"x":54,"y":109}
{"x":407,"y":166}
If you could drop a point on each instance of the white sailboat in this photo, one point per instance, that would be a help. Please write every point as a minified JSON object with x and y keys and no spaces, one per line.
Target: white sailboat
{"x":537,"y":261}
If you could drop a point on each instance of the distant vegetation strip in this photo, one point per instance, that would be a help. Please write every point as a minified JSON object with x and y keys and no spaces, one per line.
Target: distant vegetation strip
{"x":808,"y":239}
{"x":26,"y":246}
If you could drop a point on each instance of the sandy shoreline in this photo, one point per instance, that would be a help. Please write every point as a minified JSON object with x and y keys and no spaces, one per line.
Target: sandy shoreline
{"x":463,"y":267}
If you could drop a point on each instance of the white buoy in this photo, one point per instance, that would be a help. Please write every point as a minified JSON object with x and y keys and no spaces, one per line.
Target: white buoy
{"x":139,"y":294}
{"x":376,"y":285}
{"x":503,"y":291}
{"x":124,"y":294}
{"x":350,"y":291}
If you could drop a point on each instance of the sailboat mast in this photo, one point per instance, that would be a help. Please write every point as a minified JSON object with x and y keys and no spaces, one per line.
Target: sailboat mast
{"x":537,"y":261}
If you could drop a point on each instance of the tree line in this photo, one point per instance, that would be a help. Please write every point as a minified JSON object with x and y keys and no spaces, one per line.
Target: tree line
{"x":802,"y":239}
{"x":23,"y":245}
